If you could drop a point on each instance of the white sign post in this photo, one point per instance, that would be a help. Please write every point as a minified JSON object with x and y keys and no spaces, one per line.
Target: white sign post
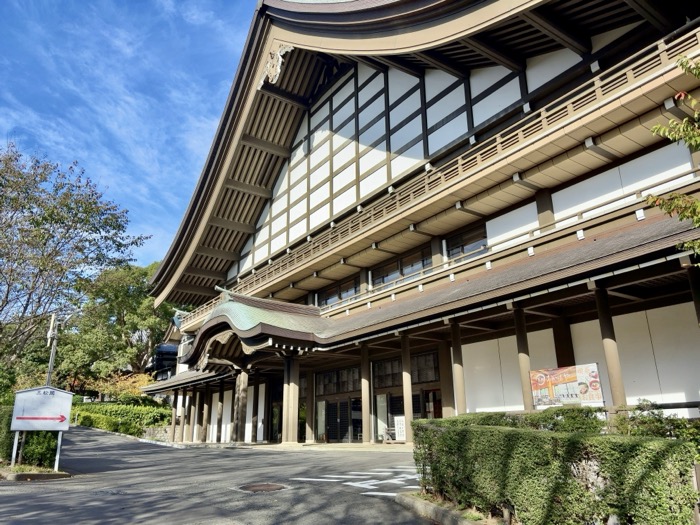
{"x":41,"y":408}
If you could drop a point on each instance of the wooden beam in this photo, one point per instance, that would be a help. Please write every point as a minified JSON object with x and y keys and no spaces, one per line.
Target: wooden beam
{"x":232,"y":225}
{"x":493,"y":53}
{"x":266,"y":146}
{"x":440,"y":61}
{"x":219,"y":254}
{"x":197,"y":290}
{"x":554,"y":30}
{"x":370,"y":62}
{"x":653,"y":14}
{"x":250,"y":189}
{"x":284,"y":96}
{"x":402,"y":65}
{"x":201,"y":272}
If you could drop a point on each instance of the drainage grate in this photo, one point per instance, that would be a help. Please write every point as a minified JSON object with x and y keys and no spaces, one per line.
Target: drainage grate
{"x":262,"y":487}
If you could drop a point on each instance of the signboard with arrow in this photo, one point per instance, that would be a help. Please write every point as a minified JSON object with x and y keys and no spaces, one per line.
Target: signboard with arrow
{"x":41,"y":408}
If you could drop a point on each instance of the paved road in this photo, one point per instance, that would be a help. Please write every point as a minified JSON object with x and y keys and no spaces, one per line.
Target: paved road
{"x":119,"y":480}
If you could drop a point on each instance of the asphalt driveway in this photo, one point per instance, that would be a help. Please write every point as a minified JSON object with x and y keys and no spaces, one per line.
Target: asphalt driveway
{"x":120,"y":480}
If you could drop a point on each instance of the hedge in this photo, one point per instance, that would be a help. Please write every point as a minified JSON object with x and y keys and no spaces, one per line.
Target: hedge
{"x":39,"y":447}
{"x":556,"y":478}
{"x":128,"y":415}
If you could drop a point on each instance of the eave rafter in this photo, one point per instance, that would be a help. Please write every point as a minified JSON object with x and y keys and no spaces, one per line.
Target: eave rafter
{"x":492,"y":52}
{"x":201,"y":272}
{"x":557,"y":31}
{"x":197,"y":290}
{"x":654,"y":13}
{"x":273,"y":91}
{"x":218,"y":254}
{"x":266,"y":146}
{"x":232,"y":225}
{"x":442,"y":62}
{"x":402,"y":65}
{"x":250,"y":189}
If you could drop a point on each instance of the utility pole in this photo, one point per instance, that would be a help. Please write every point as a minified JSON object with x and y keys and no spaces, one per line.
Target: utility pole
{"x":52,"y":338}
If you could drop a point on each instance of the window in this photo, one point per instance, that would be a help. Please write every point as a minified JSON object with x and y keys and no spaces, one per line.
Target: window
{"x":338,"y":292}
{"x":467,"y":244}
{"x":407,"y":266}
{"x":338,"y":381}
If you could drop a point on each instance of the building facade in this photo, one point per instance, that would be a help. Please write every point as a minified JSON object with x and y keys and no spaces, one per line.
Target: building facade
{"x":410,"y":205}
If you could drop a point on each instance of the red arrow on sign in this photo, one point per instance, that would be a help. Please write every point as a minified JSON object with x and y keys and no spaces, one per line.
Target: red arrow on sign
{"x":60,"y":418}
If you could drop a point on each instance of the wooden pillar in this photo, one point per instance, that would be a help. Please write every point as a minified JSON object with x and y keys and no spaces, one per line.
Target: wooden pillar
{"x":523,"y":357}
{"x":310,"y":407}
{"x":446,"y":381}
{"x":173,"y":423}
{"x":220,"y":411}
{"x":206,"y":414}
{"x":458,"y":370}
{"x":694,"y":280}
{"x":192,"y":409}
{"x":241,"y":406}
{"x":290,"y":401}
{"x":563,"y":345}
{"x":267,"y":425}
{"x":254,"y":416}
{"x":366,"y":394}
{"x":612,"y":356}
{"x":183,"y":416}
{"x":200,"y":418}
{"x":407,"y":386}
{"x":234,"y":408}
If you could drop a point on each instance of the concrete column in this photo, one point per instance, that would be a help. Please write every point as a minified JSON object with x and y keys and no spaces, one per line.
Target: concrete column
{"x":173,"y":423}
{"x":364,"y":280}
{"x":436,"y":252}
{"x":241,"y":406}
{"x":290,"y":401}
{"x":523,"y":357}
{"x":612,"y":356}
{"x":220,"y":411}
{"x":198,"y":433}
{"x":407,"y":386}
{"x":458,"y":370}
{"x":254,"y":416}
{"x":446,"y":382}
{"x":694,"y":279}
{"x":563,"y":344}
{"x":366,"y":394}
{"x":206,"y":414}
{"x":183,"y":417}
{"x":192,"y":409}
{"x":545,"y":209}
{"x":310,"y":407}
{"x":234,"y":408}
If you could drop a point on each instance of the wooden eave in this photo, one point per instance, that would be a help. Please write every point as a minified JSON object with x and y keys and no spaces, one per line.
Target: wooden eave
{"x":258,"y":126}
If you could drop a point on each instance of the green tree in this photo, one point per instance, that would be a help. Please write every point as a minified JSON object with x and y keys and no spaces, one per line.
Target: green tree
{"x":687,"y":130}
{"x":117,"y":330}
{"x":56,"y":231}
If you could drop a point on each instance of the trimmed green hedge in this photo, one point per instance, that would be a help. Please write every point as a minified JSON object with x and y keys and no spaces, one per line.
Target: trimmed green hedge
{"x":126,"y":419}
{"x":39,"y":447}
{"x":589,"y":420}
{"x":556,"y":478}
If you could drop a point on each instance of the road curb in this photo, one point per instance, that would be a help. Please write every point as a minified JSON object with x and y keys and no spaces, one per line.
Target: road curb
{"x":431,"y":511}
{"x":33,"y":476}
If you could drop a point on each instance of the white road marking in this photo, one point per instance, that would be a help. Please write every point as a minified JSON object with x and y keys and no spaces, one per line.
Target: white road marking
{"x":312,"y":479}
{"x":386,"y":494}
{"x":345,"y":476}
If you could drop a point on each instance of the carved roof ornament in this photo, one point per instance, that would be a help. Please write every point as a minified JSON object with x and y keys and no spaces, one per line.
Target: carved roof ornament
{"x":273,"y":66}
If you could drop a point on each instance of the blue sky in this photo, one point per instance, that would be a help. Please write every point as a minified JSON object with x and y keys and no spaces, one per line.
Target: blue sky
{"x":131,"y":89}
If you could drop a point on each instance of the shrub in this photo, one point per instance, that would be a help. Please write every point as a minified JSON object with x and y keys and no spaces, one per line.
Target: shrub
{"x":557,"y":478}
{"x":127,"y":419}
{"x":40,"y":448}
{"x":6,"y":435}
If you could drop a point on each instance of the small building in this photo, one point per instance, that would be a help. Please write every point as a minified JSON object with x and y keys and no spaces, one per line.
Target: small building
{"x":409,"y":206}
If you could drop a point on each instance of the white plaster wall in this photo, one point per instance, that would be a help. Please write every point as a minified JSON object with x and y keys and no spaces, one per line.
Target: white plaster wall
{"x":513,"y":223}
{"x":543,"y":68}
{"x":497,"y":101}
{"x":658,"y":354}
{"x":481,"y":79}
{"x":248,"y":435}
{"x":248,"y":438}
{"x":492,"y":374}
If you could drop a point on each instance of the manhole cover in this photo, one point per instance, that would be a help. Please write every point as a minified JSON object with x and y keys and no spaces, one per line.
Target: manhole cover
{"x":262,"y":487}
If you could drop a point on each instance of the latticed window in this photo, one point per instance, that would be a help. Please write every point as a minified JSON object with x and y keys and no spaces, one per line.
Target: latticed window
{"x":338,"y":292}
{"x":338,"y":381}
{"x":467,"y":244}
{"x":405,"y":267}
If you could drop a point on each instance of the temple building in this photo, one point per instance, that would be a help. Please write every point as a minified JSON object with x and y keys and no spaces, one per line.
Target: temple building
{"x":411,"y":205}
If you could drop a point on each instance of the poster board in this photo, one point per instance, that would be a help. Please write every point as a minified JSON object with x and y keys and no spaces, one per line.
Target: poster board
{"x":569,"y":385}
